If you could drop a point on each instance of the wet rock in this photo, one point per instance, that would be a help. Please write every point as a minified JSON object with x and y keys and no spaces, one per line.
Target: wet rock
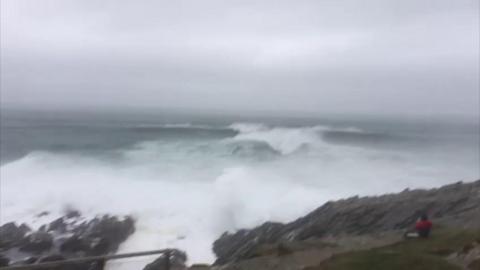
{"x":11,"y":235}
{"x":101,"y":245}
{"x":177,"y":260}
{"x":58,"y":225}
{"x":107,"y":233}
{"x":75,"y":244}
{"x":66,"y":238}
{"x":71,"y":213}
{"x":4,"y":261}
{"x":37,"y":242}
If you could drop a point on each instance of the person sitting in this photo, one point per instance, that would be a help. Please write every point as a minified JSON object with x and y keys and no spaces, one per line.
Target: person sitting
{"x":422,"y":228}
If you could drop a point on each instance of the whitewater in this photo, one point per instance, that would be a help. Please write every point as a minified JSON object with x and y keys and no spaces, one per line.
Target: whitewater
{"x":186,"y":184}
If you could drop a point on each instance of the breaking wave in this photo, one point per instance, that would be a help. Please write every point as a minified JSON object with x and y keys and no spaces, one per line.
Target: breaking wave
{"x":287,"y":140}
{"x":186,"y":184}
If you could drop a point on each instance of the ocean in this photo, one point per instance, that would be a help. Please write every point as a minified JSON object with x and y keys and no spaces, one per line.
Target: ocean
{"x":187,"y":178}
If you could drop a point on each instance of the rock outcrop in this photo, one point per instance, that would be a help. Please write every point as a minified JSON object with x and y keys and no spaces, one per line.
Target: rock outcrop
{"x":468,"y":257}
{"x":12,"y":235}
{"x":70,"y":236}
{"x":452,"y":205}
{"x":176,"y":261}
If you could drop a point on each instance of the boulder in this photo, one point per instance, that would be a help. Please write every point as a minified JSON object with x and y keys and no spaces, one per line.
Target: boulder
{"x":37,"y":242}
{"x":11,"y":235}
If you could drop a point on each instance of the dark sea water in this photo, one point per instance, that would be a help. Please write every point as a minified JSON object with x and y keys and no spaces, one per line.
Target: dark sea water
{"x":189,"y":177}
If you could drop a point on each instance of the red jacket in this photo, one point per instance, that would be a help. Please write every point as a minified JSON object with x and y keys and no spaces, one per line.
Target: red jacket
{"x":423,"y":225}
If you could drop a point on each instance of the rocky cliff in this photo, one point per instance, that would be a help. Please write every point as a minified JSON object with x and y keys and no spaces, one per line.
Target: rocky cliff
{"x":455,"y":205}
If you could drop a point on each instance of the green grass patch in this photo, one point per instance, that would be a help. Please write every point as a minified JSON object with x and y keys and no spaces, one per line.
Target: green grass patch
{"x":381,"y":260}
{"x":414,"y":254}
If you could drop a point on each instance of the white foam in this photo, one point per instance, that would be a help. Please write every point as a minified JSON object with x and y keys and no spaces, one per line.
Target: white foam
{"x":183,"y":196}
{"x":286,"y":140}
{"x":248,"y":127}
{"x":169,"y":212}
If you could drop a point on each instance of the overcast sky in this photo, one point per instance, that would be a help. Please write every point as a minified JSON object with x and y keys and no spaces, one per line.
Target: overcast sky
{"x":336,"y":56}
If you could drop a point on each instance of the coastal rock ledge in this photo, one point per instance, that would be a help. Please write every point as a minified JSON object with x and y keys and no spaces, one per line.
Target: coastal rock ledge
{"x":70,"y":236}
{"x":456,"y":205}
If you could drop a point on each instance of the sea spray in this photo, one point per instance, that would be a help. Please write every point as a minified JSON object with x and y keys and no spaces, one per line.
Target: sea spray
{"x":187,"y":184}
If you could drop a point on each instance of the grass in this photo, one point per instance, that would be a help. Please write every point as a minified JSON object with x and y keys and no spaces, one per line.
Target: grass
{"x":414,"y":254}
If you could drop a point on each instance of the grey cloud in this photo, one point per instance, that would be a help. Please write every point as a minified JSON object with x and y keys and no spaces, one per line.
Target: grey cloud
{"x":317,"y":56}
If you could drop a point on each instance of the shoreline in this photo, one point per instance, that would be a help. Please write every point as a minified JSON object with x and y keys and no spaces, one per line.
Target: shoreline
{"x":450,"y":205}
